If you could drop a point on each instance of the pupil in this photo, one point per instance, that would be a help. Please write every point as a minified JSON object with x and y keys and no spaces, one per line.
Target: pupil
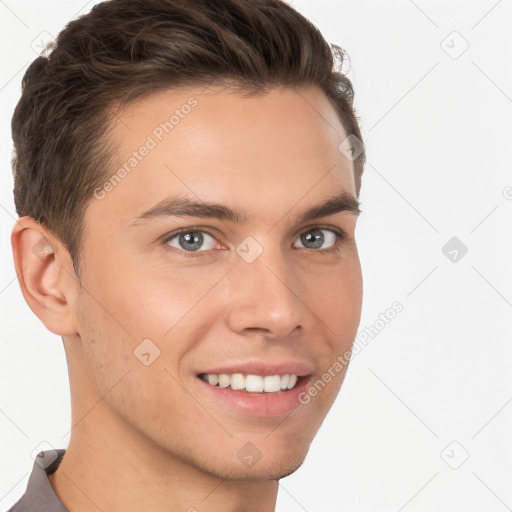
{"x":194,"y":241}
{"x":316,"y":239}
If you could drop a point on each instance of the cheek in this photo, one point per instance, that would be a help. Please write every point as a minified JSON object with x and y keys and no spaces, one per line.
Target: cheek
{"x":104,"y":342}
{"x":338,"y":303}
{"x":151,"y":300}
{"x":129,"y":372}
{"x":160,"y":312}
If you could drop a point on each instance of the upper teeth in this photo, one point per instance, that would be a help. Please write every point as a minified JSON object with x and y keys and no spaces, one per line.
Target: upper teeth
{"x":252,"y":383}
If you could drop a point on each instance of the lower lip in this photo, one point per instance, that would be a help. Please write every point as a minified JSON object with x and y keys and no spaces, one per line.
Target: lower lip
{"x":276,"y":404}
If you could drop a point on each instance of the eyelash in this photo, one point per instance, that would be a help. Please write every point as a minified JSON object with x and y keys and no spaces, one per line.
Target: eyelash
{"x":336,"y":248}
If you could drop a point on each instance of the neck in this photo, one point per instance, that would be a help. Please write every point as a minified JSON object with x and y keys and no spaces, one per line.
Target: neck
{"x":107,"y":467}
{"x":111,"y":466}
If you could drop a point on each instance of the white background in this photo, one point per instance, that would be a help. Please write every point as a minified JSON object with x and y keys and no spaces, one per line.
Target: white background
{"x":438,"y":136}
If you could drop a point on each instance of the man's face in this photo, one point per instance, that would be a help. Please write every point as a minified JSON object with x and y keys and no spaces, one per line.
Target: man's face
{"x":275,"y":295}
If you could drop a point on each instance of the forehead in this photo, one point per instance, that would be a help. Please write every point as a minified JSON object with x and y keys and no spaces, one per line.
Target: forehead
{"x":213,"y":144}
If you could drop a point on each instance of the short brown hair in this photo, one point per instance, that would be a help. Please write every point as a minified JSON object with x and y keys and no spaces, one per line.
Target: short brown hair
{"x":123,"y":50}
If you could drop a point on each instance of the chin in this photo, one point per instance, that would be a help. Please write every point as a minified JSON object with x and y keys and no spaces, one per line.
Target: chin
{"x":277,"y":461}
{"x":264,"y":470}
{"x":272,"y":463}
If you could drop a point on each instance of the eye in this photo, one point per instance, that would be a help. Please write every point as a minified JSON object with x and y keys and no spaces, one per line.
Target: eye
{"x":190,"y":240}
{"x":314,"y":238}
{"x":195,"y":241}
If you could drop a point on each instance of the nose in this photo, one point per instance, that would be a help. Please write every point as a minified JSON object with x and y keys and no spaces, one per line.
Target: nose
{"x":265,"y":298}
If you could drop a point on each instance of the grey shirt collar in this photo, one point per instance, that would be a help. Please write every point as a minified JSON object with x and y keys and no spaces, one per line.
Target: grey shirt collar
{"x":40,"y":496}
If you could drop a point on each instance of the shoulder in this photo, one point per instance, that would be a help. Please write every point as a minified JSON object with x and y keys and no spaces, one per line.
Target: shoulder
{"x":39,"y":495}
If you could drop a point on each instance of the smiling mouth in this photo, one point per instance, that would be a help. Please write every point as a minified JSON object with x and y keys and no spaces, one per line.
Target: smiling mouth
{"x":252,"y":383}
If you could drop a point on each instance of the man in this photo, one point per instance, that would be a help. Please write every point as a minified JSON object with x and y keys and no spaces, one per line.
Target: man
{"x":187,"y":178}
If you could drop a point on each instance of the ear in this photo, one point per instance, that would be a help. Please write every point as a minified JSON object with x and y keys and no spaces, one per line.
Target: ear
{"x":46,"y":276}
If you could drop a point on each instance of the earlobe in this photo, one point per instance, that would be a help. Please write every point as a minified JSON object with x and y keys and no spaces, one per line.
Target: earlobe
{"x":41,"y":267}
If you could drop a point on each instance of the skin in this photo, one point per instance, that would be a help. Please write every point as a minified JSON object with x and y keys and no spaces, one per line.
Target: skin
{"x":149,"y":434}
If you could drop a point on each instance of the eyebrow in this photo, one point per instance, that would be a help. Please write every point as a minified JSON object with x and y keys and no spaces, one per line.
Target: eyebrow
{"x":182,"y":206}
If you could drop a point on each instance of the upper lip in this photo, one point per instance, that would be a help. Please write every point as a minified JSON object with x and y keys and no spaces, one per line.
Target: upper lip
{"x":264,"y":369}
